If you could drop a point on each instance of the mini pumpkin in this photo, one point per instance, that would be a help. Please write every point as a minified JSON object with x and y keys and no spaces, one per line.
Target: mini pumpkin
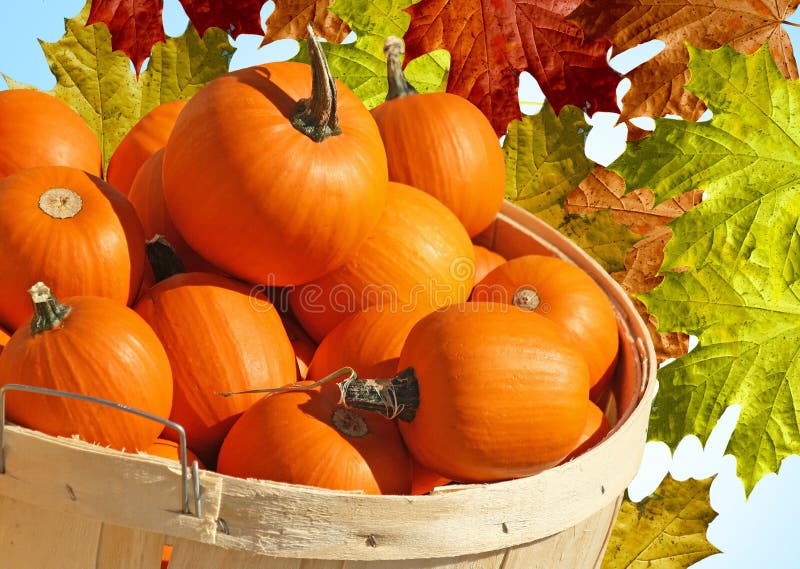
{"x":93,"y":346}
{"x":594,"y":430}
{"x":487,"y":392}
{"x":36,"y":129}
{"x":307,"y":437}
{"x":442,"y":144}
{"x":216,"y":339}
{"x":567,"y":296}
{"x":270,"y":185}
{"x":70,"y":229}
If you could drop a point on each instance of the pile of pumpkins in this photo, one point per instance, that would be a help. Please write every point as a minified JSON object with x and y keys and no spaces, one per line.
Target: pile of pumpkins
{"x":273,"y":233}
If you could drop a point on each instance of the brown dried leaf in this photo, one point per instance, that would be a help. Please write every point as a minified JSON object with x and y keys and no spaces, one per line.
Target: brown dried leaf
{"x":657,"y":85}
{"x":290,"y":18}
{"x":642,"y":264}
{"x":604,"y":189}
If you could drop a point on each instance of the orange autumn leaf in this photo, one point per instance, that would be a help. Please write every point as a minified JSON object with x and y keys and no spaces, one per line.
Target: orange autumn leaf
{"x":290,"y":18}
{"x":657,"y":85}
{"x":604,"y":189}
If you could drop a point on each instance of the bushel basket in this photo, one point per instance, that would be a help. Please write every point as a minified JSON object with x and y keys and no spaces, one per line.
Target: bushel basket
{"x":67,"y":504}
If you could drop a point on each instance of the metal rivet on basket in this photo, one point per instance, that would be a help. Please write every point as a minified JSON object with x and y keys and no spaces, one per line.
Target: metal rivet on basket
{"x":372,"y":541}
{"x":71,"y":493}
{"x":223,"y":526}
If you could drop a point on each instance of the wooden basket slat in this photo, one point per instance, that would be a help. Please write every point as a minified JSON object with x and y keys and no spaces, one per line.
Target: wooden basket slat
{"x":128,"y":548}
{"x":38,"y":538}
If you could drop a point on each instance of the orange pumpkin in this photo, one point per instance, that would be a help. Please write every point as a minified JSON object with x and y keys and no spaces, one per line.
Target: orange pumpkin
{"x":93,"y":346}
{"x":368,"y":341}
{"x":217,"y":340}
{"x":147,"y":136}
{"x":488,"y":392}
{"x":567,"y":296}
{"x":419,"y":256}
{"x":306,"y":437}
{"x":4,"y":337}
{"x":442,"y":144}
{"x":594,"y":430}
{"x":486,"y":261}
{"x":423,"y":479}
{"x":166,"y":448}
{"x":36,"y":129}
{"x":269,"y":185}
{"x":147,"y":196}
{"x":70,"y":229}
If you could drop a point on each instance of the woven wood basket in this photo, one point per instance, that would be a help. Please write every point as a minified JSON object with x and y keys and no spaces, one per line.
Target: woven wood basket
{"x":66,"y":504}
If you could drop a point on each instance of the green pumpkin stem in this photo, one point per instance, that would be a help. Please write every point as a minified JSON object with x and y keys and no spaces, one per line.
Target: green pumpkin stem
{"x":396,"y":397}
{"x":316,"y":116}
{"x":398,"y":84}
{"x":163,"y":258}
{"x":48,"y":313}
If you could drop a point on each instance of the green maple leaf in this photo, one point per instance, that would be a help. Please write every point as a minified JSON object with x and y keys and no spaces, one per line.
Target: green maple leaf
{"x":732,"y":269}
{"x":665,"y":530}
{"x":101,"y":86}
{"x":545,"y":161}
{"x":361,"y":65}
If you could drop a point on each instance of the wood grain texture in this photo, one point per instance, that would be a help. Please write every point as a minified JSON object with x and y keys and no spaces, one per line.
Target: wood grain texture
{"x":127,"y":548}
{"x":558,"y":518}
{"x":38,"y":538}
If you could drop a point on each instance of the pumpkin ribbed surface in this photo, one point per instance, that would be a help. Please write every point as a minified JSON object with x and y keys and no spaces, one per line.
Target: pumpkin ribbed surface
{"x":36,"y":129}
{"x":71,"y":230}
{"x":306,"y":437}
{"x":217,"y":339}
{"x":418,"y":257}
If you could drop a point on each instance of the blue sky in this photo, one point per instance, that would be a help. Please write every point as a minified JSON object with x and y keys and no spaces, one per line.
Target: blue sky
{"x":760,"y":532}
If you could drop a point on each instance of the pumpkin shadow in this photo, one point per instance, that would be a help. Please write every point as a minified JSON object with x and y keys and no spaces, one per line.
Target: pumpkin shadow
{"x":260,"y":79}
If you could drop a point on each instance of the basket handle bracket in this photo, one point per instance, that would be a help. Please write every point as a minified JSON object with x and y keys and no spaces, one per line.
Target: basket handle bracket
{"x":81,"y":397}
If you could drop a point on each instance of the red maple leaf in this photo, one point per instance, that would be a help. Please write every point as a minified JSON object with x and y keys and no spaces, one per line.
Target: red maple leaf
{"x":492,"y":41}
{"x":136,"y":25}
{"x":239,"y":17}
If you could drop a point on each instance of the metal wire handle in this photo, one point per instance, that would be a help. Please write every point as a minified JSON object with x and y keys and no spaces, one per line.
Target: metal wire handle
{"x":81,"y":397}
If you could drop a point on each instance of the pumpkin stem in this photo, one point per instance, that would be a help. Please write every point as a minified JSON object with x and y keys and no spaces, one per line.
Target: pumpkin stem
{"x":163,"y":258}
{"x":60,"y":203}
{"x":395,"y":397}
{"x":48,"y":313}
{"x":398,"y":84}
{"x":316,"y":116}
{"x":527,"y":299}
